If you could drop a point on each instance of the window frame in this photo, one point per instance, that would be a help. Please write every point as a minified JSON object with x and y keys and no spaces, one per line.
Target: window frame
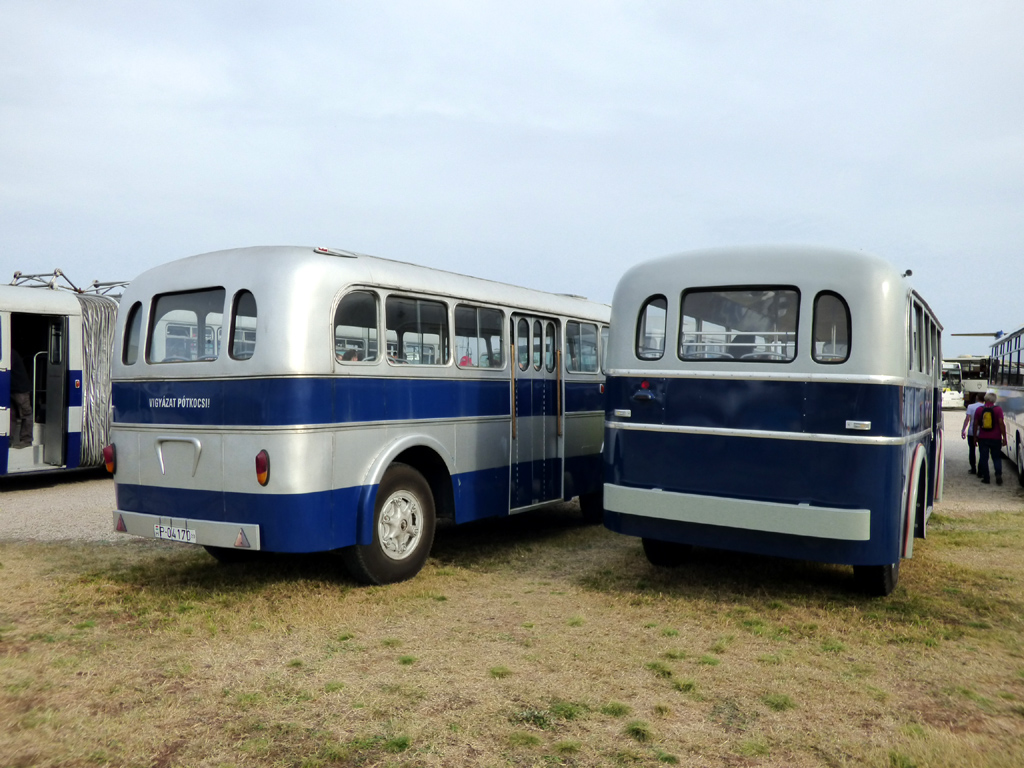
{"x":642,"y":326}
{"x":727,"y":357}
{"x":235,"y":301}
{"x":444,"y":338}
{"x":814,"y":328}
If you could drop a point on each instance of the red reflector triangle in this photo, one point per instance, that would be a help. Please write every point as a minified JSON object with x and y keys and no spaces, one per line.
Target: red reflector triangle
{"x":241,"y":541}
{"x":120,"y":525}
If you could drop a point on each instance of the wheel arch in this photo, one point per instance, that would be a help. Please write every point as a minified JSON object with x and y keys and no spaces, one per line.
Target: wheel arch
{"x":916,"y":498}
{"x":426,"y":455}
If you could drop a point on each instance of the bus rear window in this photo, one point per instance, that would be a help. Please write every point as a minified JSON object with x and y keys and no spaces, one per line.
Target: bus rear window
{"x":186,"y":326}
{"x":650,"y":329}
{"x":831,"y":328}
{"x":132,"y":332}
{"x":739,"y":323}
{"x":243,"y":326}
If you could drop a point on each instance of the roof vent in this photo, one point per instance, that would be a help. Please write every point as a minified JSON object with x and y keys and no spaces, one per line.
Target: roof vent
{"x":333,"y":252}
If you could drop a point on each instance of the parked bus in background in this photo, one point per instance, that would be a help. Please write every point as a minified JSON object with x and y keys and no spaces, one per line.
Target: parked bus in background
{"x":974,"y":374}
{"x":63,"y":335}
{"x":1006,"y":377}
{"x":776,"y":400}
{"x":290,"y":399}
{"x":952,"y":385}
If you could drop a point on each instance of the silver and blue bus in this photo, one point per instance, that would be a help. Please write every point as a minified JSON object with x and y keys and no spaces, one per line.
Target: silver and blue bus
{"x":289,"y":399}
{"x":1006,"y":377}
{"x":782,"y":401}
{"x":63,"y":336}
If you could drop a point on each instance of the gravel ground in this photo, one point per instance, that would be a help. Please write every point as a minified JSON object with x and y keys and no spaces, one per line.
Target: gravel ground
{"x":78,"y":506}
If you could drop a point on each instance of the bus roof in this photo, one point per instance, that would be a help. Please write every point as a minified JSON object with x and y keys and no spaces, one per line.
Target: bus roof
{"x":303,"y":268}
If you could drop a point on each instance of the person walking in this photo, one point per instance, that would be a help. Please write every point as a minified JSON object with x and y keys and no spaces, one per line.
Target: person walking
{"x":21,"y":403}
{"x":973,"y":404}
{"x":990,"y":430}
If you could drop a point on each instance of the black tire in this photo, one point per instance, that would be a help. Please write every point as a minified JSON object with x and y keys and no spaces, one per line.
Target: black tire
{"x":231,"y":555}
{"x":403,"y":530}
{"x":1020,"y":466}
{"x":592,"y":507}
{"x":877,"y":580}
{"x":666,"y":554}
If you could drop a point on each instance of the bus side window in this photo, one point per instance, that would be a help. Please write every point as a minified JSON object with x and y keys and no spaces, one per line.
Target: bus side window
{"x":478,"y":338}
{"x":523,"y":344}
{"x":581,"y":345}
{"x":538,"y":340}
{"x":243,"y":326}
{"x":831,"y":329}
{"x":132,"y":335}
{"x":918,"y":340}
{"x":549,"y":347}
{"x":650,"y":329}
{"x":355,"y":328}
{"x":420,"y":329}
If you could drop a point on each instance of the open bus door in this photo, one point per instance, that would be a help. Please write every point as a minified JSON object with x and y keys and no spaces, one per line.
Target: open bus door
{"x":54,"y":396}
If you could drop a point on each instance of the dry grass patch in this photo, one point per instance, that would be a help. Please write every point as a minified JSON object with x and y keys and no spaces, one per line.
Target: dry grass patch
{"x":529,"y":641}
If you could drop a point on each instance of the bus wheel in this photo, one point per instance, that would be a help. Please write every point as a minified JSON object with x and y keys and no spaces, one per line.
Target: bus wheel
{"x":403,"y":530}
{"x":877,"y":580}
{"x":665,"y":554}
{"x":231,"y":555}
{"x":592,"y":507}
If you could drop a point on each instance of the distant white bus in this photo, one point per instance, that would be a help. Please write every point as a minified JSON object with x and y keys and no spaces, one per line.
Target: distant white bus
{"x":301,"y":400}
{"x":952,"y":385}
{"x":64,"y":336}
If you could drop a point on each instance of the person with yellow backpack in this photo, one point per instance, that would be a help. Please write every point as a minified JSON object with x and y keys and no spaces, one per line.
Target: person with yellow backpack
{"x":990,"y":430}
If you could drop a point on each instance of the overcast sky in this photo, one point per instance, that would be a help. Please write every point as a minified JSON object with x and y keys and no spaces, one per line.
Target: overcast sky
{"x":550,"y":144}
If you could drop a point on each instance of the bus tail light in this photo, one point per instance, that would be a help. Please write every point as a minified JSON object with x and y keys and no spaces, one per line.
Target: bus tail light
{"x":263,"y":467}
{"x":110,"y":458}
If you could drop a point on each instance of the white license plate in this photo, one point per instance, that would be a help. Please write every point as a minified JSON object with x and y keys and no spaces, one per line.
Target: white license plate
{"x":175,"y":534}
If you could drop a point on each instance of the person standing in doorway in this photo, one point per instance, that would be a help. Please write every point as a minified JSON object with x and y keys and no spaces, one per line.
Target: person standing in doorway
{"x":21,"y":403}
{"x":990,"y":430}
{"x":967,"y":430}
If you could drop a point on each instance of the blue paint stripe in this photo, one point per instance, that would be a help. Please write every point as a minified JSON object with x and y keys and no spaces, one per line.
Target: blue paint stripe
{"x":74,"y":393}
{"x":336,"y":400}
{"x":787,"y":406}
{"x":759,"y":469}
{"x":278,"y":402}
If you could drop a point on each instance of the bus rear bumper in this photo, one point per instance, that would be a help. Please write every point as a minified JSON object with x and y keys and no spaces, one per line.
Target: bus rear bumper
{"x":773,"y":517}
{"x":181,"y":529}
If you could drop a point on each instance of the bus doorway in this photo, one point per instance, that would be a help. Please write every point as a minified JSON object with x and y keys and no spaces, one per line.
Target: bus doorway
{"x":537,"y":452}
{"x":41,"y":340}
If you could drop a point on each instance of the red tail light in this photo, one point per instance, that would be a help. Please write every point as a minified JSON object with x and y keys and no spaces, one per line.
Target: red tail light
{"x":110,"y":458}
{"x":263,"y":467}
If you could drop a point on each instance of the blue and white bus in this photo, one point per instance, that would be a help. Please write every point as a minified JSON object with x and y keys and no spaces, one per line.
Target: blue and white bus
{"x":774,"y":400}
{"x":1006,"y":377}
{"x":63,"y":335}
{"x":290,"y":399}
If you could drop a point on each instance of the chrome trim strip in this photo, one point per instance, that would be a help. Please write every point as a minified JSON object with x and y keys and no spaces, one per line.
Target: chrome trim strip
{"x":836,"y":378}
{"x":792,"y":519}
{"x":811,"y":437}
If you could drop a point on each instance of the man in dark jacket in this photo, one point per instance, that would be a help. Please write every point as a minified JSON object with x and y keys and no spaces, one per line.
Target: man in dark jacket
{"x":21,"y":403}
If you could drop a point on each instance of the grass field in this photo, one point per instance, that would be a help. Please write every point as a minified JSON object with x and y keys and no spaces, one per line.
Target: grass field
{"x":533,"y":641}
